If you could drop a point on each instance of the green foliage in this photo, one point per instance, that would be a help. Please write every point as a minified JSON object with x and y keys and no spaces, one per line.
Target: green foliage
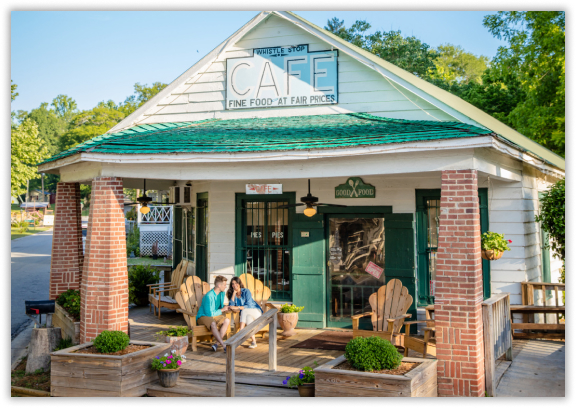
{"x":70,"y":300}
{"x":50,"y":126}
{"x":291,"y":309}
{"x":372,"y":354}
{"x":90,"y":123}
{"x":552,"y":216}
{"x":174,"y":331}
{"x":13,"y":93}
{"x":142,"y":94}
{"x":139,"y":276}
{"x":64,"y":343}
{"x":492,"y":241}
{"x":21,"y":226}
{"x":536,"y":57}
{"x":168,"y":361}
{"x":408,"y":53}
{"x":111,"y":341}
{"x":131,"y":215}
{"x":304,"y":376}
{"x":133,"y":241}
{"x":27,"y":150}
{"x":65,"y":107}
{"x":453,"y":64}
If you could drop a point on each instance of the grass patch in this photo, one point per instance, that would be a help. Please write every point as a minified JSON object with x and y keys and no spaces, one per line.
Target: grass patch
{"x":31,"y":231}
{"x":145,"y":260}
{"x":15,"y":207}
{"x":39,"y":380}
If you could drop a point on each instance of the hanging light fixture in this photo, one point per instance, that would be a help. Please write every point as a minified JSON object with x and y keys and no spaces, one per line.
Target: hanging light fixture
{"x":144,"y":200}
{"x":309,"y":211}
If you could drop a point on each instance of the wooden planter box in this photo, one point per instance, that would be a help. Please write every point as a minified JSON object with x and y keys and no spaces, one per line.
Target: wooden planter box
{"x":93,"y":375}
{"x":69,"y":327}
{"x":420,"y":382}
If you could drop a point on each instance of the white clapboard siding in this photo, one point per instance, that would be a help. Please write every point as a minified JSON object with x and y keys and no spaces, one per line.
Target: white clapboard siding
{"x":361,"y":89}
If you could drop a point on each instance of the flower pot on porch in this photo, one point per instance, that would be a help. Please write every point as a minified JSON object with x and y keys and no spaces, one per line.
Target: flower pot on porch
{"x":306,"y":390}
{"x":491,"y":255}
{"x":168,"y":378}
{"x":288,"y":323}
{"x":179,"y":343}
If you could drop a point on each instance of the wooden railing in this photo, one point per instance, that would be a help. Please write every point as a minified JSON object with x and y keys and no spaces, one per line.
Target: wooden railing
{"x":268,"y":318}
{"x":497,"y":336}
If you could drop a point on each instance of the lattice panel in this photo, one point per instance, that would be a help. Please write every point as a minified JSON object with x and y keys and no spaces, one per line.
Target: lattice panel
{"x":147,"y":239}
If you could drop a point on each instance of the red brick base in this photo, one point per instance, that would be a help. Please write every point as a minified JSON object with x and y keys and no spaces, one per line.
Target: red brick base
{"x":104,"y":289}
{"x":458,"y":296}
{"x":67,"y":254}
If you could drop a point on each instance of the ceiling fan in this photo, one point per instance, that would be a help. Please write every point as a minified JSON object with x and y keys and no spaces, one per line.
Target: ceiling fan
{"x":144,"y":201}
{"x":310,"y":202}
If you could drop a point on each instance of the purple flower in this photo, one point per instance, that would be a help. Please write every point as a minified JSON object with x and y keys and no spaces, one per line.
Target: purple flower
{"x":288,"y":377}
{"x":285,"y":382}
{"x":301,"y":375}
{"x":157,"y":358}
{"x":164,"y":364}
{"x":169,"y":361}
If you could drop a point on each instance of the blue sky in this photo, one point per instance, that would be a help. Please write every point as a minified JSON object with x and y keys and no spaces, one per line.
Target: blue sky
{"x":95,"y":56}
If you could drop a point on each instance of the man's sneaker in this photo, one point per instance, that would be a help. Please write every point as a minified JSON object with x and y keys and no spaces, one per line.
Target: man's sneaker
{"x":253,"y":345}
{"x":214,"y":347}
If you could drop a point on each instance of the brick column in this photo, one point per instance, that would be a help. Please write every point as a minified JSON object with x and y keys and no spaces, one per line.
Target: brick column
{"x":67,"y":254}
{"x":104,"y":289}
{"x":458,"y":296}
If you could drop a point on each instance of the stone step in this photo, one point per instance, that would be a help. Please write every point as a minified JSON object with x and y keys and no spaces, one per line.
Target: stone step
{"x":190,"y":387}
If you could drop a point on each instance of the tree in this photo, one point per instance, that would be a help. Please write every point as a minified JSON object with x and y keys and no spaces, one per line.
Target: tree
{"x":536,"y":57}
{"x":65,"y":107}
{"x":142,"y":94}
{"x":27,"y":150}
{"x":91,"y":123}
{"x":552,"y":216}
{"x":453,"y":64}
{"x":50,"y":126}
{"x":408,"y":53}
{"x":13,"y":92}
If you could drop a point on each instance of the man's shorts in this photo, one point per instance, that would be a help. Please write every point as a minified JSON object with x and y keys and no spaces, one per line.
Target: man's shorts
{"x":207,"y":320}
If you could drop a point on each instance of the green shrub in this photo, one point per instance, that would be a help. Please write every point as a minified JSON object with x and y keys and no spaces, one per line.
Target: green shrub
{"x":133,"y":241}
{"x":552,"y":217}
{"x":70,"y":300}
{"x":174,"y":331}
{"x":139,"y":276}
{"x":64,"y":343}
{"x":111,"y":341}
{"x":372,"y":354}
{"x":291,"y":309}
{"x":21,"y":226}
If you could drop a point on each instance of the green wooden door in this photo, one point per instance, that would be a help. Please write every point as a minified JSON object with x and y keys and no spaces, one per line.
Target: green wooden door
{"x":202,"y":236}
{"x":177,"y":236}
{"x":308,"y":268}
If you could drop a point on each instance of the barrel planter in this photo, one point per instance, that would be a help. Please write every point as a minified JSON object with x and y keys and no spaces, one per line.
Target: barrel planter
{"x":168,"y":378}
{"x":178,"y":343}
{"x":70,"y":328}
{"x":419,"y":382}
{"x":95,"y":375}
{"x":288,"y":322}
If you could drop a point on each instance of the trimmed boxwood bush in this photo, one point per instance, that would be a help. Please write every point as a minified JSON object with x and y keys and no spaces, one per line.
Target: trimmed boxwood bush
{"x":111,"y":341}
{"x":372,"y":354}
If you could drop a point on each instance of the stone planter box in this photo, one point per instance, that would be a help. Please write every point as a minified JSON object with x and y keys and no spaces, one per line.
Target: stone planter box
{"x":69,"y":327}
{"x":420,"y":382}
{"x":93,"y":375}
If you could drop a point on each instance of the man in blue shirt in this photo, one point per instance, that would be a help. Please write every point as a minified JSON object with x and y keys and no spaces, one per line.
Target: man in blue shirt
{"x":210,"y":312}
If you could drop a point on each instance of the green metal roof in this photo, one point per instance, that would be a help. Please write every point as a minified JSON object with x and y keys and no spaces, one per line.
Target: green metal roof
{"x":271,"y":134}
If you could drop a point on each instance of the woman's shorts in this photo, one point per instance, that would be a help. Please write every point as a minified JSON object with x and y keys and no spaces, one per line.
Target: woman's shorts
{"x":207,"y":320}
{"x":247,"y":316}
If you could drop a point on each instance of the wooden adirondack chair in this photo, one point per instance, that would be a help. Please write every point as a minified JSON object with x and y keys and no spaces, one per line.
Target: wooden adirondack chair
{"x":157,"y":296}
{"x":189,"y":299}
{"x":389,"y":305}
{"x":260,"y":294}
{"x":426,"y":346}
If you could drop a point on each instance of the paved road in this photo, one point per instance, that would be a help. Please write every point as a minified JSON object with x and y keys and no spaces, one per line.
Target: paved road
{"x":30,"y":275}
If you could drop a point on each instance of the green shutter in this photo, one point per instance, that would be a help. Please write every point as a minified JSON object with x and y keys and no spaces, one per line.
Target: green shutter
{"x":308,"y":270}
{"x":177,"y":233}
{"x":484,"y":227}
{"x":399,"y":253}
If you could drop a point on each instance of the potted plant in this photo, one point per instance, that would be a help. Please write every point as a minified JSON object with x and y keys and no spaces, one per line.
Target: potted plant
{"x":67,"y":314}
{"x":494,"y":245}
{"x":288,"y":318}
{"x":110,"y":366}
{"x":372,"y":367}
{"x":139,"y":276}
{"x":177,"y":336}
{"x":168,"y":368}
{"x":304,"y":380}
{"x":155,"y":250}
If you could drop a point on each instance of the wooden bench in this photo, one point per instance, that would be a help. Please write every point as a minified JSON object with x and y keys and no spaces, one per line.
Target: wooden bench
{"x":528,"y":309}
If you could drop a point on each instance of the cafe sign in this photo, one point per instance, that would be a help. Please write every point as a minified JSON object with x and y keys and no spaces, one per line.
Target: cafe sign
{"x":355,"y":188}
{"x":263,"y":188}
{"x":282,"y":76}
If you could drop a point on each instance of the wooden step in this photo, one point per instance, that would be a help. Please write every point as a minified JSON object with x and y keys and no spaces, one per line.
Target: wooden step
{"x":537,"y":309}
{"x":265,"y":379}
{"x":201,"y":388}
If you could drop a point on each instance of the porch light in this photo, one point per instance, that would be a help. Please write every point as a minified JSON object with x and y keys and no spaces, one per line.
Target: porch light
{"x":144,"y":209}
{"x":309,"y":211}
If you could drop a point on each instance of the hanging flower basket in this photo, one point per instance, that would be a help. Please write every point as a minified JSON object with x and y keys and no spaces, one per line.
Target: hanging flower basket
{"x":494,"y":245}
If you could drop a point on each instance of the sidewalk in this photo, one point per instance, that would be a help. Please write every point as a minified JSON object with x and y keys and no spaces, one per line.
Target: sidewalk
{"x":538,"y":370}
{"x":20,"y":345}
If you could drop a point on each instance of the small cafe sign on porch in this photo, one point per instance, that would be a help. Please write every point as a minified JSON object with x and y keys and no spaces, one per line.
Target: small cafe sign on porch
{"x":355,"y":188}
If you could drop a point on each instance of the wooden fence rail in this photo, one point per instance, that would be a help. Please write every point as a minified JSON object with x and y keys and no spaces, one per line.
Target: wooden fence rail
{"x":497,"y":336}
{"x":268,"y":318}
